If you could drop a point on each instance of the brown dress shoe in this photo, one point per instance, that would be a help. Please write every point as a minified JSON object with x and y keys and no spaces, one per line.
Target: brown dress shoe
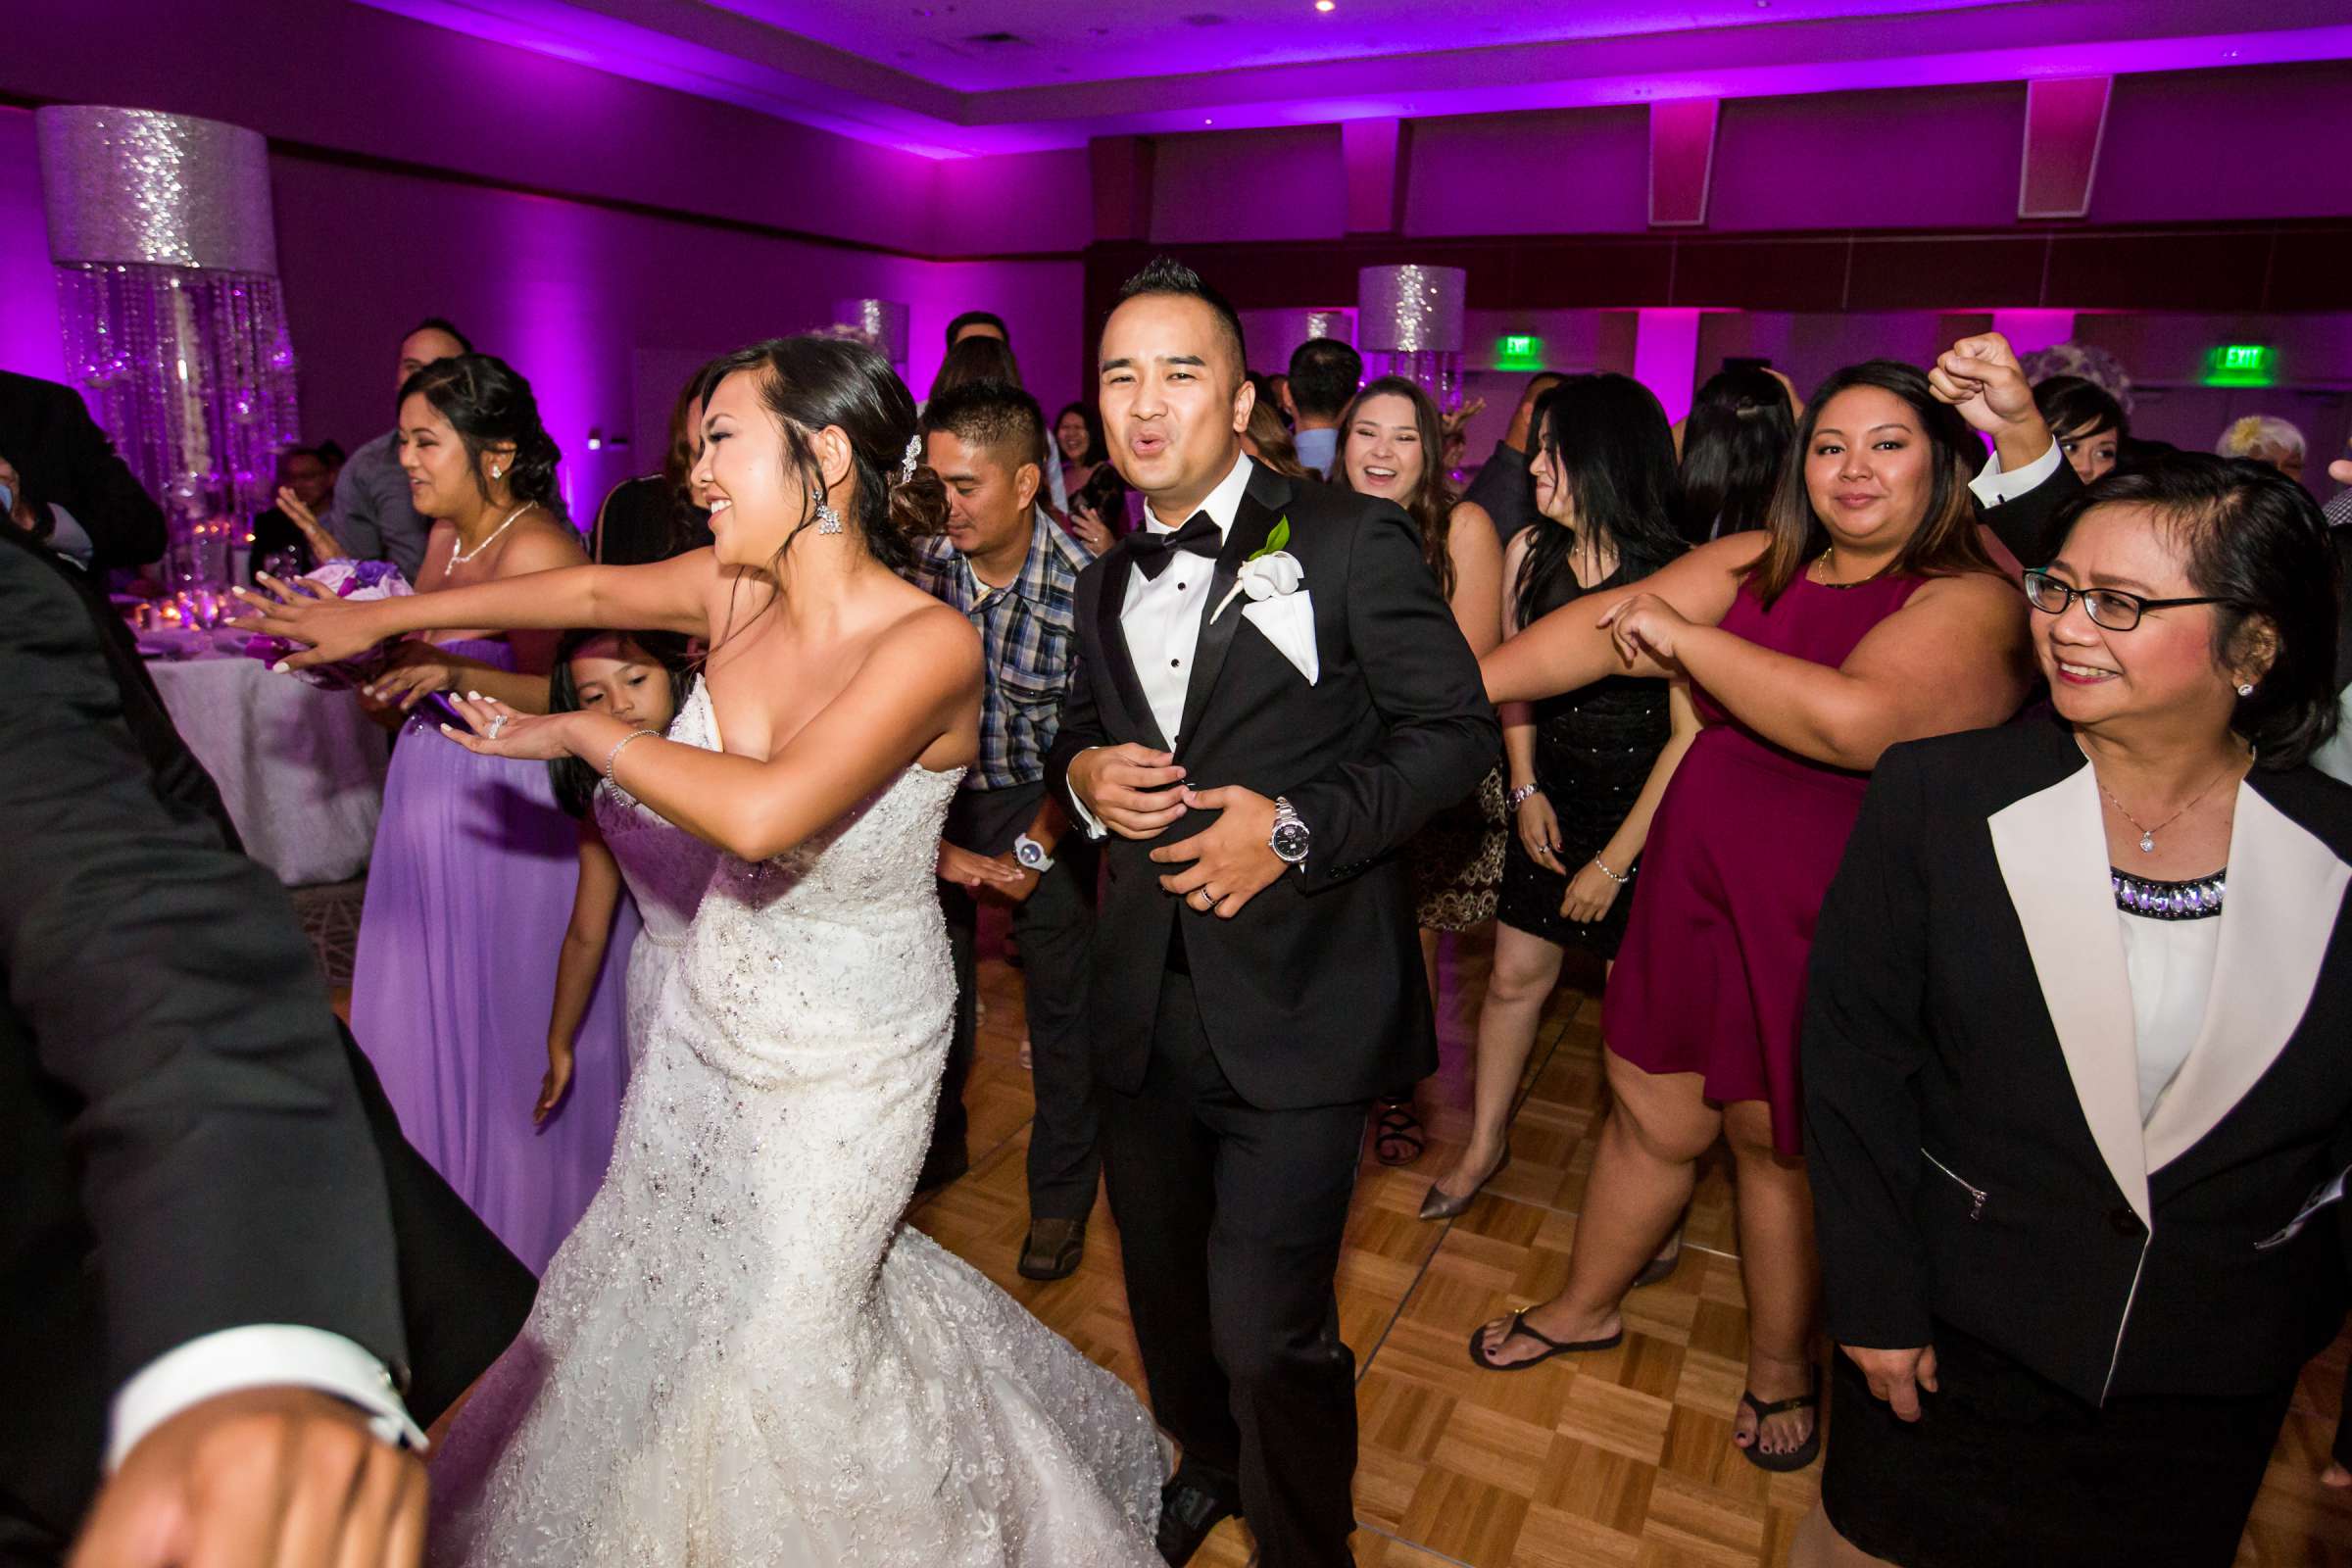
{"x":1055,"y":1248}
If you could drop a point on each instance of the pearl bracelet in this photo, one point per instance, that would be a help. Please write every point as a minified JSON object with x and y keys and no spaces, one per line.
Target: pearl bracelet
{"x":1612,"y":875}
{"x":622,"y":745}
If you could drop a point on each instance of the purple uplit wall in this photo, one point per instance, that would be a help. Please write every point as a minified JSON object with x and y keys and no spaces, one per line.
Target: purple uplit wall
{"x":29,"y":341}
{"x":2215,"y":144}
{"x":1290,"y":183}
{"x":1576,"y":173}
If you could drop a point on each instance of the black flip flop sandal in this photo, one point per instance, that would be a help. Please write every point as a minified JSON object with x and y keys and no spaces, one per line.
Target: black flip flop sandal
{"x":1803,"y":1454}
{"x":1551,"y":1347}
{"x":1398,"y":1136}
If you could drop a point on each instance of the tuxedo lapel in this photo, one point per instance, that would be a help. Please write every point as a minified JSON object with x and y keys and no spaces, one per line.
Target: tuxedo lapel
{"x":2286,"y":892}
{"x":2052,"y":850}
{"x":1261,"y":508}
{"x":1118,"y":661}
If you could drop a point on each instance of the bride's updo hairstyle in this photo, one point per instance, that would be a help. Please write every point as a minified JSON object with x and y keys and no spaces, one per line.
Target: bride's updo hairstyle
{"x":490,"y":405}
{"x":812,"y":381}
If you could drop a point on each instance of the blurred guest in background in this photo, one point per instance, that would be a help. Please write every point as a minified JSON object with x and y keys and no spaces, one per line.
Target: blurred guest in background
{"x":1269,"y":442}
{"x":1868,"y":613}
{"x":1502,"y":486}
{"x":1014,"y":574}
{"x":1078,"y":445}
{"x":1587,"y":767}
{"x":983,"y":353}
{"x":1103,"y":511}
{"x":281,"y":547}
{"x":1324,"y":375}
{"x":2078,"y":1102}
{"x":655,"y":516}
{"x":978,"y":324}
{"x":2265,"y":439}
{"x":1390,"y":438}
{"x":332,"y":452}
{"x":1735,"y":443}
{"x":2091,"y":426}
{"x":474,"y":864}
{"x":373,"y":517}
{"x":66,"y":487}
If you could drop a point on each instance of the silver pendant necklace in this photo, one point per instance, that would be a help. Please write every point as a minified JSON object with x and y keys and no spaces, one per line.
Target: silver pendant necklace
{"x":2147,"y":834}
{"x":458,"y":558}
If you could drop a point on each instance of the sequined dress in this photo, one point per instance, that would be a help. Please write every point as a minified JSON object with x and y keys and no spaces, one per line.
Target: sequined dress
{"x":741,"y":1358}
{"x":667,"y":868}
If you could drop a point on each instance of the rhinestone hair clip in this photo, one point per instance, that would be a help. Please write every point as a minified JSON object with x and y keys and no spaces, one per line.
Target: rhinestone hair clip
{"x":915,"y":452}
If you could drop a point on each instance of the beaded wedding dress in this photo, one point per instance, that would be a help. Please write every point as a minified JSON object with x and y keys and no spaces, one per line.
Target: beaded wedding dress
{"x":741,"y":1358}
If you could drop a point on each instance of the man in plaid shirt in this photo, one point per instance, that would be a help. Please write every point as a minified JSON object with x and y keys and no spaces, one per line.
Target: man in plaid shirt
{"x":1007,"y":567}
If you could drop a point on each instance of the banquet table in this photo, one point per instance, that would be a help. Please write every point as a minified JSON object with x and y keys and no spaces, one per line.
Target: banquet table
{"x":301,"y":770}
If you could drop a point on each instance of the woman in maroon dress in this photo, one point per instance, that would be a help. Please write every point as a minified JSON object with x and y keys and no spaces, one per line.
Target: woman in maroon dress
{"x":1866,"y":613}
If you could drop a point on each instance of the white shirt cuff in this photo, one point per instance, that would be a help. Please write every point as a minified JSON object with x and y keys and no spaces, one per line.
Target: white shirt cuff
{"x":1086,"y":818}
{"x":1992,"y":487}
{"x":254,"y":1356}
{"x":66,"y":536}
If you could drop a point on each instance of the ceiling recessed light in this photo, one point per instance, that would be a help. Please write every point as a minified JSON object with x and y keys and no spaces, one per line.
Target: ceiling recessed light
{"x":1327,"y":5}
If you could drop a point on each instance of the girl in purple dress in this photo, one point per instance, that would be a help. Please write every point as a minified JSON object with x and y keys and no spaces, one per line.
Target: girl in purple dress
{"x":471,"y":885}
{"x":1868,"y":611}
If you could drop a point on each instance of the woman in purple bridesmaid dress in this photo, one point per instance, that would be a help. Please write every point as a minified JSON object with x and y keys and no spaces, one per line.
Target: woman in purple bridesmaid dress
{"x":471,"y":885}
{"x":1868,"y":611}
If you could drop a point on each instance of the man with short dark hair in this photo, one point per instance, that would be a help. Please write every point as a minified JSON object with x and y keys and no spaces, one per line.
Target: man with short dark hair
{"x":302,"y":472}
{"x":1502,"y":484}
{"x":374,"y":519}
{"x":1257,"y":981}
{"x":978,"y":324}
{"x":1324,"y":375}
{"x":1014,"y":573}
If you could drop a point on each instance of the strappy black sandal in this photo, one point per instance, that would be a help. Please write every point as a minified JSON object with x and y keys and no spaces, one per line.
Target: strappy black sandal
{"x":1551,"y":1347}
{"x":1398,"y":1136}
{"x":1803,"y":1454}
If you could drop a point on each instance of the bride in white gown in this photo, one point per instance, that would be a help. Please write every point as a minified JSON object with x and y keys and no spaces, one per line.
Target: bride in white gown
{"x":741,"y":1356}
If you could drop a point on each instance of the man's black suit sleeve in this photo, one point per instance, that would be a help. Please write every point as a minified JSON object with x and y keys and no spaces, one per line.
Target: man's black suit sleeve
{"x":1442,"y":732}
{"x":222,"y":1157}
{"x":2022,"y":523}
{"x":81,"y":473}
{"x":1865,"y":1043}
{"x":1081,"y":724}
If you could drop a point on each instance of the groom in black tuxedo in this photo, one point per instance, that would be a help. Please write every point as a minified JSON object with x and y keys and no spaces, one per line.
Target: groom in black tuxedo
{"x":219,"y":1262}
{"x":1257,"y":978}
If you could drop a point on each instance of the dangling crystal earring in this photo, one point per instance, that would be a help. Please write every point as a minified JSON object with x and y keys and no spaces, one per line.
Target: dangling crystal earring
{"x":2245,"y":688}
{"x":498,"y":473}
{"x":827,"y":519}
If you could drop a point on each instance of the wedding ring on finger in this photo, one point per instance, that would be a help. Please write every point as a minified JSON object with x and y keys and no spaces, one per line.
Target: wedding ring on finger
{"x":498,"y":722}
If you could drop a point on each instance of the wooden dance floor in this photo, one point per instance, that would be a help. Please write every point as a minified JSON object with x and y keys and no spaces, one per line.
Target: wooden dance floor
{"x":1592,"y":1461}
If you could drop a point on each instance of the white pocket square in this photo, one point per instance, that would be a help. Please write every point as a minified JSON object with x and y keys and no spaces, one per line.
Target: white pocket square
{"x":1287,"y":621}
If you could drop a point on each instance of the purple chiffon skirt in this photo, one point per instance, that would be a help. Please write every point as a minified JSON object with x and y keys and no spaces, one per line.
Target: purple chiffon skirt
{"x":469,"y":894}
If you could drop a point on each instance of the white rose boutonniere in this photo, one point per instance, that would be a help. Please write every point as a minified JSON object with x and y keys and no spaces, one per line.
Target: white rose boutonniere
{"x":1279,"y":605}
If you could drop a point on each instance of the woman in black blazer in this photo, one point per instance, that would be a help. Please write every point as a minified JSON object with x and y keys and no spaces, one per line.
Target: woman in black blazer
{"x":2077,"y":1091}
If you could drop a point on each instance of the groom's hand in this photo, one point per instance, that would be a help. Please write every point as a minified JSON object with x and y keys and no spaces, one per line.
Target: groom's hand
{"x":1127,"y":787}
{"x":1233,"y":857}
{"x":262,"y":1478}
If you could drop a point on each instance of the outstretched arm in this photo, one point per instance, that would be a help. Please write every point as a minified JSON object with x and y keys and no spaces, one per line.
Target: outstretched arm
{"x":1572,"y":646}
{"x":673,"y":595}
{"x":920,"y":685}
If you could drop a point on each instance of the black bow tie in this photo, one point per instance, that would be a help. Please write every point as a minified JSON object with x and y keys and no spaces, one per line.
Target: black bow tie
{"x":1151,"y":552}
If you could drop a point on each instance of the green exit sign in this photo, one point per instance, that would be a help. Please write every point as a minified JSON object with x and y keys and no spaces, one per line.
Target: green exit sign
{"x":2241,"y":365}
{"x":1518,"y":351}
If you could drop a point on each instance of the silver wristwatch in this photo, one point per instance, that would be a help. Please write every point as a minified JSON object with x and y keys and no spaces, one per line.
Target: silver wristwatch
{"x":1032,"y":855}
{"x":1288,"y":840}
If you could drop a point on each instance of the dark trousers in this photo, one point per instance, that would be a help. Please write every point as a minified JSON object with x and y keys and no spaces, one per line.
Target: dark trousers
{"x":1230,"y":1219}
{"x":1054,"y":926}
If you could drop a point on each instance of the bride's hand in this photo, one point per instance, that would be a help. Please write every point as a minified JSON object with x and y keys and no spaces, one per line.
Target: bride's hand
{"x":502,"y":731}
{"x":334,"y":628}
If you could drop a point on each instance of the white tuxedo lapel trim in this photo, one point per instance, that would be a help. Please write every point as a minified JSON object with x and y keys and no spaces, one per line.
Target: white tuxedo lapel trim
{"x":2052,"y":850}
{"x":2287,"y":890}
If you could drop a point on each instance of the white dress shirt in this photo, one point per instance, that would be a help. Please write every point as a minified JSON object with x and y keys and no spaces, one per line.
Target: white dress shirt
{"x":1991,"y":486}
{"x":1161,"y":615}
{"x":257,"y":1356}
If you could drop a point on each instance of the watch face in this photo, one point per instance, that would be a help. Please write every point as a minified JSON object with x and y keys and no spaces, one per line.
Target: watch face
{"x":1290,"y":841}
{"x":1029,"y":853}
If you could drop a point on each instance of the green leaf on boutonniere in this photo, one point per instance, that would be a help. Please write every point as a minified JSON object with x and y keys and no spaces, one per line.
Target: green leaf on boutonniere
{"x":1277,"y":541}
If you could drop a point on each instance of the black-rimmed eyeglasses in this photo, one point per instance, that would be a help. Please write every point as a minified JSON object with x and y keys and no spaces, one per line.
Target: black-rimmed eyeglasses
{"x":2109,"y":608}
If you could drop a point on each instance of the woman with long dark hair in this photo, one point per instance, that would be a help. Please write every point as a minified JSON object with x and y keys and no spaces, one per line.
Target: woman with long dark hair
{"x":475,"y":866}
{"x":1078,"y":445}
{"x":1588,"y":766}
{"x":742,"y":1355}
{"x":1867,"y":614}
{"x":1735,"y":443}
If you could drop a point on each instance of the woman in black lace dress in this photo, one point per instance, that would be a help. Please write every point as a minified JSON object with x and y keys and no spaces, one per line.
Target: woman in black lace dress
{"x":1587,"y":767}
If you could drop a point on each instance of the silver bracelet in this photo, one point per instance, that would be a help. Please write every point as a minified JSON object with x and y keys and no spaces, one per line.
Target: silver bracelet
{"x":623,"y":745}
{"x":1523,"y":794}
{"x":1611,"y":875}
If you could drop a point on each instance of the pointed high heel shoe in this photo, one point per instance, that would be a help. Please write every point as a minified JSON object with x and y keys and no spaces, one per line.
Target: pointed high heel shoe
{"x":1439,"y":1203}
